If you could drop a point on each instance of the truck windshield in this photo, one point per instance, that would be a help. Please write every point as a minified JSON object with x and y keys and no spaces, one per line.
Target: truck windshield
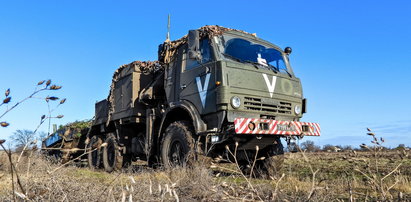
{"x":243,"y":50}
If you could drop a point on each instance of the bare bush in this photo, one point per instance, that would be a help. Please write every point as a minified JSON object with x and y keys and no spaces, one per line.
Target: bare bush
{"x":310,"y":146}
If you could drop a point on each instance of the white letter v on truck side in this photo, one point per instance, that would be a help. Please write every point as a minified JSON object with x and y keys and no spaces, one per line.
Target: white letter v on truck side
{"x":202,"y":90}
{"x":270,"y":85}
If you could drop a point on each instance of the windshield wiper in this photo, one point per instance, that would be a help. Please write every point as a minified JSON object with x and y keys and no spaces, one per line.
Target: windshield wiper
{"x":277,"y":69}
{"x":256,"y":64}
{"x":289,"y":74}
{"x":269,"y":66}
{"x":238,"y":59}
{"x":274,"y":68}
{"x":232,"y":57}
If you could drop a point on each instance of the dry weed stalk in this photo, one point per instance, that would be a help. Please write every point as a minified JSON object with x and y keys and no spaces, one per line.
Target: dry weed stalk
{"x":32,"y":95}
{"x":380,"y":186}
{"x":257,"y":148}
{"x":276,"y":187}
{"x":314,"y":187}
{"x":44,"y":86}
{"x":24,"y":150}
{"x":73,"y":183}
{"x":72,"y":160}
{"x":234,"y":155}
{"x":13,"y":170}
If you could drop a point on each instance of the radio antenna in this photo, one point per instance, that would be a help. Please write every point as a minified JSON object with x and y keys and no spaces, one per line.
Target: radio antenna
{"x":168,"y":30}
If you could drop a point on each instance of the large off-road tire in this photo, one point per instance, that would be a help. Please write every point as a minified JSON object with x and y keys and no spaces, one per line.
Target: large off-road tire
{"x":269,"y":167}
{"x":127,"y":161}
{"x":94,"y":155}
{"x":177,"y":148}
{"x":112,"y":158}
{"x":272,"y":166}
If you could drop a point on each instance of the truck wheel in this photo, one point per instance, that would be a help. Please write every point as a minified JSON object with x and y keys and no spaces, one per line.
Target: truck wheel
{"x":271,"y":166}
{"x":112,"y":158}
{"x":153,"y":161}
{"x":127,"y":161}
{"x":178,"y":145}
{"x":94,"y":157}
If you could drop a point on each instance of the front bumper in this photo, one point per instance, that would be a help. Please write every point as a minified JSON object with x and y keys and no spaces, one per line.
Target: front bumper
{"x":273,"y":127}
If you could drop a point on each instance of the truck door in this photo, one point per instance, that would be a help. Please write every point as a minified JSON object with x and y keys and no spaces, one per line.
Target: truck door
{"x":172,"y":79}
{"x":197,"y":79}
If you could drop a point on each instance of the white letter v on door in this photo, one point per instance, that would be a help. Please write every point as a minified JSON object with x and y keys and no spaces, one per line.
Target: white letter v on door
{"x":202,"y":91}
{"x":270,"y":85}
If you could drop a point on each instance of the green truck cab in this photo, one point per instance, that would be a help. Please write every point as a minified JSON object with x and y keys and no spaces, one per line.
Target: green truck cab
{"x":215,"y":92}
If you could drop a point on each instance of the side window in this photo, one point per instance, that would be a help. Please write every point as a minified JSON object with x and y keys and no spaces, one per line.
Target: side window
{"x":205,"y":53}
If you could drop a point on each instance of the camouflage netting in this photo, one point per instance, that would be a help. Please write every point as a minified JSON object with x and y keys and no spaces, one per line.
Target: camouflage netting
{"x":75,"y":129}
{"x":170,"y":47}
{"x":79,"y":124}
{"x":145,"y":67}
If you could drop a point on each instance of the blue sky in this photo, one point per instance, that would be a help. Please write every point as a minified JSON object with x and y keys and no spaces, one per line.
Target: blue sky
{"x":353,"y":57}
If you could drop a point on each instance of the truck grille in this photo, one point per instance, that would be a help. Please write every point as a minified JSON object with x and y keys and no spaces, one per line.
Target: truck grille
{"x":255,"y":104}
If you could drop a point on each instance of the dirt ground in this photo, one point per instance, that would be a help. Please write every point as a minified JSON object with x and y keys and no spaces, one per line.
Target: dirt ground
{"x":344,"y":176}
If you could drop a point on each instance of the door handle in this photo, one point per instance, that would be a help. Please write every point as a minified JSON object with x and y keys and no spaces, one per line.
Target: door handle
{"x":183,"y":86}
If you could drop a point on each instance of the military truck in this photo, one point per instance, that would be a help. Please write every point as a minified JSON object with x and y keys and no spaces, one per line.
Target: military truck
{"x":217,"y":92}
{"x":67,"y":142}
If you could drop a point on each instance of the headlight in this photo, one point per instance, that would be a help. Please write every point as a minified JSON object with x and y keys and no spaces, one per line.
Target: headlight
{"x":215,"y":139}
{"x":297,"y":109}
{"x":235,"y":102}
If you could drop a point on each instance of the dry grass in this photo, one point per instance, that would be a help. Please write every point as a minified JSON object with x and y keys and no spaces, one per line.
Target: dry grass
{"x":336,"y":179}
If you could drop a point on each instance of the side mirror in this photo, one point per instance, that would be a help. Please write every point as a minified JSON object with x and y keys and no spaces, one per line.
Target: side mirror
{"x":288,"y":50}
{"x":194,"y":45}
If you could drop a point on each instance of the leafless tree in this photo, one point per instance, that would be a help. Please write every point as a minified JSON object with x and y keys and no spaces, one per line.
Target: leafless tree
{"x":21,"y":138}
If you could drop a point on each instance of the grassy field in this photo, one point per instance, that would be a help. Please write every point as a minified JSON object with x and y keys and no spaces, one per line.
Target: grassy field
{"x":317,"y":176}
